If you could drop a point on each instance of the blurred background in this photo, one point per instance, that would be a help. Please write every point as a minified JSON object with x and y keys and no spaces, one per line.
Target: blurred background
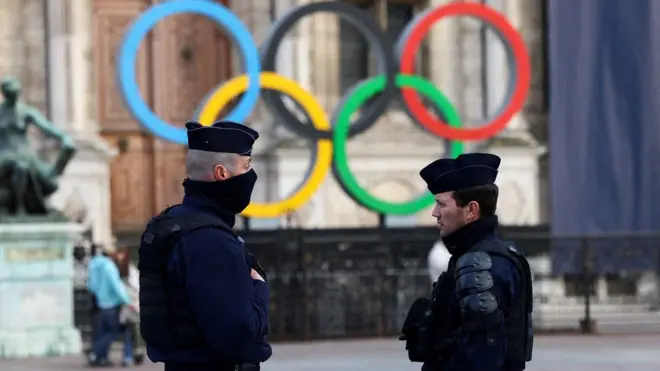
{"x":578,"y":183}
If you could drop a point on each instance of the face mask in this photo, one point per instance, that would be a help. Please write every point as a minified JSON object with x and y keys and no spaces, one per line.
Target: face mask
{"x":237,"y":191}
{"x":232,"y":195}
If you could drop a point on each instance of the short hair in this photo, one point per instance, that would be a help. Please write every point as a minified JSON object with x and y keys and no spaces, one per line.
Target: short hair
{"x":200,"y":164}
{"x":484,"y":195}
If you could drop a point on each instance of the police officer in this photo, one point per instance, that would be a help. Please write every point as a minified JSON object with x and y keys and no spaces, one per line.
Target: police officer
{"x":479,"y":315}
{"x":203,"y":297}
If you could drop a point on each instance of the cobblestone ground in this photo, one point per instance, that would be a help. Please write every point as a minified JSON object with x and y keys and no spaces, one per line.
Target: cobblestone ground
{"x":552,"y":353}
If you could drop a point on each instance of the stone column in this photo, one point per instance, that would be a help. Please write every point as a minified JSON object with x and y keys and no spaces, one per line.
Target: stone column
{"x":457,"y":43}
{"x":84,"y":192}
{"x":257,"y":17}
{"x":316,"y":47}
{"x":22,"y":48}
{"x":497,"y":66}
{"x":281,"y":160}
{"x":520,"y":177}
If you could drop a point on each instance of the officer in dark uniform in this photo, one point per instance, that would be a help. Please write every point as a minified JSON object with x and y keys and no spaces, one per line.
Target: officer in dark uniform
{"x":479,"y":315}
{"x":203,"y":298}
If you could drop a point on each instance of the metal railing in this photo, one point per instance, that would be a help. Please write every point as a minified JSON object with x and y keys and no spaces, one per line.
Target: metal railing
{"x":360,"y":283}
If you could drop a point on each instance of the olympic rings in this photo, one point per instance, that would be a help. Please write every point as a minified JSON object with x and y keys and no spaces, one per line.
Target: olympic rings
{"x":341,"y":169}
{"x":517,"y":55}
{"x":321,"y":131}
{"x":139,"y":30}
{"x":324,"y":147}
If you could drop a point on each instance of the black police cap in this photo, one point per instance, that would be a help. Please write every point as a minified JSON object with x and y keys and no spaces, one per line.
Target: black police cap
{"x":222,"y":137}
{"x":466,"y":171}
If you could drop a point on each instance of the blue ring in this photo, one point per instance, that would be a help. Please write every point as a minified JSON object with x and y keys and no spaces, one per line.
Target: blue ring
{"x":139,"y":30}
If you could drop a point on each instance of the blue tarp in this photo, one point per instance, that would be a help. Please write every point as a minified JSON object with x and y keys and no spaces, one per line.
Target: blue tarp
{"x":605,"y":115}
{"x":605,"y":129}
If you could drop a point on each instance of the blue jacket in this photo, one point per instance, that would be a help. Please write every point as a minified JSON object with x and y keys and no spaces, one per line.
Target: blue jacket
{"x":229,"y":305}
{"x":104,"y":282}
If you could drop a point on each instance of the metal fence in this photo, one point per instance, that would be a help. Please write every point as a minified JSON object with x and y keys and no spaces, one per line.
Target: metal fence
{"x":360,"y":282}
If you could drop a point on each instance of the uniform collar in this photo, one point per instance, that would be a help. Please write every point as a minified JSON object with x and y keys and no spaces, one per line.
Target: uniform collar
{"x":205,"y":205}
{"x":459,"y":242}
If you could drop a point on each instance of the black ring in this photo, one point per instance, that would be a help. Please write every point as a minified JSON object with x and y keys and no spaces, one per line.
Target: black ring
{"x":387,"y":65}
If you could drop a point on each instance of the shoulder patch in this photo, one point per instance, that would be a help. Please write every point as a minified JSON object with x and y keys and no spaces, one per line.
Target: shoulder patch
{"x":473,"y":262}
{"x":513,"y":250}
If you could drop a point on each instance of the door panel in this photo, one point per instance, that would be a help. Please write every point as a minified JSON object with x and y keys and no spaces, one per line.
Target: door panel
{"x":182,"y":59}
{"x":110,"y":20}
{"x":188,"y":70}
{"x":131,"y":182}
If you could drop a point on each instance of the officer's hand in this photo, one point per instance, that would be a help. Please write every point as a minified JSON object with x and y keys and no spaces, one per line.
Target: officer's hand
{"x":257,"y":267}
{"x":256,"y":276}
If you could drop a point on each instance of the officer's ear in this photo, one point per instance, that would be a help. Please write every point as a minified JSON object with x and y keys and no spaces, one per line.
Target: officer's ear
{"x":220,"y":173}
{"x":473,"y":211}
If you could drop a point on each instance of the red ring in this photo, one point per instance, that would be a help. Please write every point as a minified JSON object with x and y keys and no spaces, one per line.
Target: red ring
{"x":521,"y":59}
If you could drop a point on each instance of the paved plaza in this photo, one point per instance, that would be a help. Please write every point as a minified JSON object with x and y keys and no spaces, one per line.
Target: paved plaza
{"x":552,"y":353}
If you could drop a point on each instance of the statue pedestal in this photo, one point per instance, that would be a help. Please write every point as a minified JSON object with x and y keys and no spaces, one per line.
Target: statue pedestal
{"x":36,"y":290}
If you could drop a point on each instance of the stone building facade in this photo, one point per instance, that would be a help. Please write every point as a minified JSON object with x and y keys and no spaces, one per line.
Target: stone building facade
{"x":65,"y":58}
{"x":46,"y":45}
{"x":23,"y":48}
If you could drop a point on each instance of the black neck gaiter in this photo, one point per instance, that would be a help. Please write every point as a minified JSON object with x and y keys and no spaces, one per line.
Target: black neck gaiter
{"x":232,"y":195}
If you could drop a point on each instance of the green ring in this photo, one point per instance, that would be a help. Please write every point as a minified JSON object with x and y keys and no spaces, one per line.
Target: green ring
{"x":367,"y":90}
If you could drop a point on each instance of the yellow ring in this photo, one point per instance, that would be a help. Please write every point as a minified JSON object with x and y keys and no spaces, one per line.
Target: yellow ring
{"x":272,"y":81}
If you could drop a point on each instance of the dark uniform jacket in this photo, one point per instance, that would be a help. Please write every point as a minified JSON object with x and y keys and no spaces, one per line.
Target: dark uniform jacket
{"x":481,"y":307}
{"x":211,"y":268}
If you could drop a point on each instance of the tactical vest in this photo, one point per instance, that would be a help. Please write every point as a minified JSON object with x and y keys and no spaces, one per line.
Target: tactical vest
{"x":166,"y":318}
{"x":518,"y":321}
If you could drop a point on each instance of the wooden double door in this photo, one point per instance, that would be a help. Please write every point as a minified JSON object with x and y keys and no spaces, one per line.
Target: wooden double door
{"x":180,"y":61}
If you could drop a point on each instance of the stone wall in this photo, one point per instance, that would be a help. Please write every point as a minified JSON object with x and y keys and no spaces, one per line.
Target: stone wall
{"x":84,"y":193}
{"x":23,"y":52}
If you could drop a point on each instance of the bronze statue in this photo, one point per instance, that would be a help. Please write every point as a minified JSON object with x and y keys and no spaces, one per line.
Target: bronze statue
{"x":25,"y":180}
